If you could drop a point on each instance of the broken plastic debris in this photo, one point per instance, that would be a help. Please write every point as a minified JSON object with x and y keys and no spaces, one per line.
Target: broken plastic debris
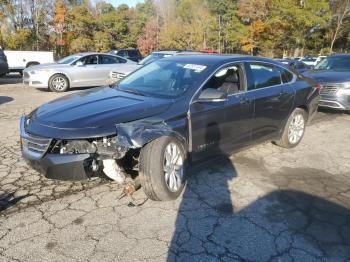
{"x":113,"y":171}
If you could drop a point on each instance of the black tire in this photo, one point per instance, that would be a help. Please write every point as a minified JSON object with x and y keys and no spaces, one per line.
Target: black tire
{"x":53,"y":85}
{"x":3,"y":75}
{"x":285,"y":140}
{"x":151,"y":169}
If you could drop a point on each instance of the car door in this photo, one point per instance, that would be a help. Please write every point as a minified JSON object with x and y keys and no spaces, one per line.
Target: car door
{"x":106,"y":64}
{"x":239,"y":114}
{"x":84,"y":72}
{"x":218,"y":127}
{"x":273,"y":100}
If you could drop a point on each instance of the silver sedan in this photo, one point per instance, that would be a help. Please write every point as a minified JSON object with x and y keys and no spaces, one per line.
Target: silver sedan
{"x":78,"y":70}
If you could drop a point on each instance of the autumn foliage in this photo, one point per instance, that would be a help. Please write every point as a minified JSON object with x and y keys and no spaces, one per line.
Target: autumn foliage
{"x":265,"y":27}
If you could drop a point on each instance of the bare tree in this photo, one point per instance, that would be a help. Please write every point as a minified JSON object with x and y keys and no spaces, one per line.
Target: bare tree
{"x":341,"y":12}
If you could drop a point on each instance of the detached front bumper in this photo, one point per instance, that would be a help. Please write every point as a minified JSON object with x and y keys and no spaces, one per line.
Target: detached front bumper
{"x":39,"y":80}
{"x":35,"y":151}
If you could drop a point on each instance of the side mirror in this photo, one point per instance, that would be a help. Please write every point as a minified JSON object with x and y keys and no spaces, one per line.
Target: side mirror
{"x":212,"y":95}
{"x":79,"y":63}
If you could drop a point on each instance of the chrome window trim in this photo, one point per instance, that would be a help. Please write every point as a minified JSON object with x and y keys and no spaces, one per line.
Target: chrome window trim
{"x":267,"y":63}
{"x":245,"y":77}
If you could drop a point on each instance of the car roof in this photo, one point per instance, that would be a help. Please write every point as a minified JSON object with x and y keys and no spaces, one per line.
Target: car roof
{"x":123,"y":49}
{"x":213,"y":59}
{"x":79,"y":55}
{"x":90,"y":53}
{"x":176,"y":52}
{"x":166,"y":52}
{"x":341,"y":55}
{"x":96,"y":53}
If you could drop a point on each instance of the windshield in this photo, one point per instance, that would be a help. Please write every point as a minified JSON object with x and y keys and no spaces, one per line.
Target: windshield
{"x":167,"y":79}
{"x":153,"y":57}
{"x":68,"y":59}
{"x":334,"y":63}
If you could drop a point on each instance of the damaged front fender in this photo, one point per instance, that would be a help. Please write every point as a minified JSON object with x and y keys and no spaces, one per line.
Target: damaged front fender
{"x":136,"y":134}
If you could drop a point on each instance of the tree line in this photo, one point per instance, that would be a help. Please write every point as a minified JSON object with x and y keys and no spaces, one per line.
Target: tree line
{"x":266,"y":27}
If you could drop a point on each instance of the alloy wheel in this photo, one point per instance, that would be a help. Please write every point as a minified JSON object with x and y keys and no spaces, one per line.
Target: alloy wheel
{"x":296,"y":129}
{"x":59,"y":83}
{"x":173,"y":167}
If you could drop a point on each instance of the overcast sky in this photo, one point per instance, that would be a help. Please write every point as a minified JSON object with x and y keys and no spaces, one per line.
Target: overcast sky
{"x":130,"y":3}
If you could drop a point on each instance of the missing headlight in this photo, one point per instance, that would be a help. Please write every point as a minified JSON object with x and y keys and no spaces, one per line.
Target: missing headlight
{"x":105,"y":148}
{"x":74,"y":147}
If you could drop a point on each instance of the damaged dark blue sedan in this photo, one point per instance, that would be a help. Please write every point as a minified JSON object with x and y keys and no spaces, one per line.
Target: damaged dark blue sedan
{"x":163,"y":118}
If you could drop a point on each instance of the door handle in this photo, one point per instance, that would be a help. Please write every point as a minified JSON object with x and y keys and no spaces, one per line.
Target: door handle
{"x":283,"y":92}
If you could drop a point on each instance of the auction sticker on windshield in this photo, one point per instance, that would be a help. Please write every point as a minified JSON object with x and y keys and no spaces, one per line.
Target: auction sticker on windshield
{"x":196,"y":68}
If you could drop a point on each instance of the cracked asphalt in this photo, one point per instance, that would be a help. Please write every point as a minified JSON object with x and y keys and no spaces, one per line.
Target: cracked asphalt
{"x":264,"y":203}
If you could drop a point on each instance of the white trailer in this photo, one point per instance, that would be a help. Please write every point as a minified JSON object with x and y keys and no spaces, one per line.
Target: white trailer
{"x":19,"y":60}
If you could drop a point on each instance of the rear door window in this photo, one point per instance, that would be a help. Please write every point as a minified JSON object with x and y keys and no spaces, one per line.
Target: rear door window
{"x":133,"y":53}
{"x":264,"y":75}
{"x":107,"y":59}
{"x":122,"y":53}
{"x":89,"y":60}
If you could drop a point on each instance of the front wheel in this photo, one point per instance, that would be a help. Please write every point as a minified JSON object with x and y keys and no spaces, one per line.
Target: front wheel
{"x":58,"y":83}
{"x":294,"y":129}
{"x":162,"y":169}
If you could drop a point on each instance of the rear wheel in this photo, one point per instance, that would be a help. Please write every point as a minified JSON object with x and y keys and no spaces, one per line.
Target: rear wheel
{"x":162,"y":169}
{"x":59,"y":83}
{"x":294,"y":129}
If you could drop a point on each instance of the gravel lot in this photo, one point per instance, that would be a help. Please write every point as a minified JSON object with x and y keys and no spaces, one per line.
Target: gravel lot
{"x":261,"y":204}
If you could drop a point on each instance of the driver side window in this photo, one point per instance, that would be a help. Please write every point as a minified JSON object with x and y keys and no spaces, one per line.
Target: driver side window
{"x":89,"y":60}
{"x":228,"y":79}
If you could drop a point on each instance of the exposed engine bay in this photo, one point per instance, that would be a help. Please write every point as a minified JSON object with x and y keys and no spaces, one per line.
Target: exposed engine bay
{"x":116,"y":161}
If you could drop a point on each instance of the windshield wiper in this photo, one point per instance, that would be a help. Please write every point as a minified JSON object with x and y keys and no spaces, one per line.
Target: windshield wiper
{"x":133,"y":91}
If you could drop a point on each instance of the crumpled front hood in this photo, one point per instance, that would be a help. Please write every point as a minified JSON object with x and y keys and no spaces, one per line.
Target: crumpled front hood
{"x":327,"y":76}
{"x":97,"y":110}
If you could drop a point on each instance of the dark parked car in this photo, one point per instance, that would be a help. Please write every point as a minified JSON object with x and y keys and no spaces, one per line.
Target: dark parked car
{"x":298,"y":66}
{"x":4,"y":68}
{"x":165,"y":117}
{"x":132,"y":54}
{"x":333,"y":73}
{"x":120,"y":72}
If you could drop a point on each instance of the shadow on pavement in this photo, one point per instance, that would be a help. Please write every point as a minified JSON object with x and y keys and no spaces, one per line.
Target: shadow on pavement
{"x":8,"y":199}
{"x":284,"y":225}
{"x":281,"y":226}
{"x":5,"y":99}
